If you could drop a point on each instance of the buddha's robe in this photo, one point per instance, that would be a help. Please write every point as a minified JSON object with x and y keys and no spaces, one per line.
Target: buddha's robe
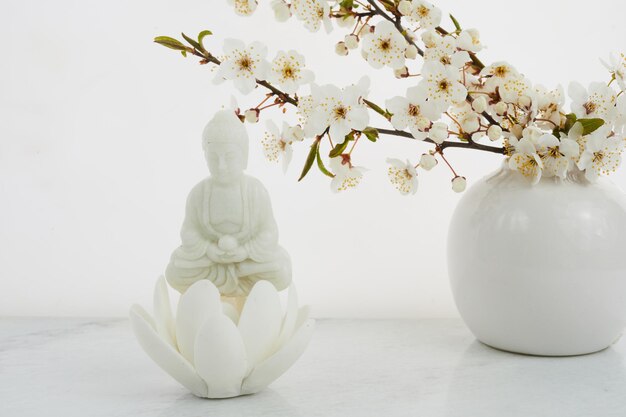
{"x":259,"y":235}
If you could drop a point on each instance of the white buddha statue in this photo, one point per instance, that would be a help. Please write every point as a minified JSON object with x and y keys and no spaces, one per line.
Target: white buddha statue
{"x":229,"y":234}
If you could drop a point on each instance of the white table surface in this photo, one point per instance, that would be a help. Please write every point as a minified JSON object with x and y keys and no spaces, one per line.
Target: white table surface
{"x":425,"y":368}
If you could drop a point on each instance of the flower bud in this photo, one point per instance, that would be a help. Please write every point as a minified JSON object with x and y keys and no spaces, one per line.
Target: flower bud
{"x":524,"y":101}
{"x":341,"y":49}
{"x":494,"y":132}
{"x":252,"y":115}
{"x":281,"y":10}
{"x":480,"y":104}
{"x":428,"y":162}
{"x":405,"y":8}
{"x":401,"y":72}
{"x":459,"y":184}
{"x":470,"y":123}
{"x":438,"y":132}
{"x":501,"y":107}
{"x":411,"y":52}
{"x":518,"y":131}
{"x":351,"y":41}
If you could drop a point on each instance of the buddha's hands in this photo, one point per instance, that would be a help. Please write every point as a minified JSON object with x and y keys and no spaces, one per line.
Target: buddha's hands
{"x":239,"y":254}
{"x":217,"y":255}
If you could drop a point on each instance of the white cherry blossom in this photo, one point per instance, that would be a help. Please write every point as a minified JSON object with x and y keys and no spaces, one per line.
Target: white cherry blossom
{"x":306,"y":104}
{"x":497,"y":74}
{"x":403,"y":176}
{"x":282,"y":12}
{"x":314,"y":13}
{"x":346,"y":175}
{"x":243,"y":64}
{"x":426,"y":14}
{"x":443,"y":49}
{"x":526,"y":160}
{"x":385,"y":47}
{"x":441,"y":83}
{"x":340,"y":111}
{"x":602,"y":155}
{"x":465,"y":115}
{"x":414,"y":112}
{"x":469,"y":40}
{"x":556,"y":155}
{"x":288,"y":73}
{"x":243,"y":7}
{"x":617,"y":68}
{"x":596,"y":101}
{"x":548,"y":105}
{"x":277,"y":145}
{"x":512,"y":90}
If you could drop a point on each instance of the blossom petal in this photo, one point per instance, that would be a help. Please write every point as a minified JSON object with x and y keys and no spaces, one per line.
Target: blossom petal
{"x":260,"y":322}
{"x":283,"y":359}
{"x":577,"y":92}
{"x":198,"y":303}
{"x":163,"y":354}
{"x":220,"y":357}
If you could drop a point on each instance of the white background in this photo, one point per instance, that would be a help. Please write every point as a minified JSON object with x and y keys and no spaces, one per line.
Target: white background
{"x":100,"y":144}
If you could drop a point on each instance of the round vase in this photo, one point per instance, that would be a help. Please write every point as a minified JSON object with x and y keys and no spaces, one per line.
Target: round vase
{"x":540,"y":269}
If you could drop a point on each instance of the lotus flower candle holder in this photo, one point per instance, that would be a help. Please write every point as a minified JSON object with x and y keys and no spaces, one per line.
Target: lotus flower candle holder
{"x":217,"y":351}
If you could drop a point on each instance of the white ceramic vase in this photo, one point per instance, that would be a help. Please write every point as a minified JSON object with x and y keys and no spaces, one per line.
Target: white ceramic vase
{"x":540,"y":269}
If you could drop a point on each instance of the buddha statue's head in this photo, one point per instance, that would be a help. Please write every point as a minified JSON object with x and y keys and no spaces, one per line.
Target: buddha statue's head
{"x":225,"y":144}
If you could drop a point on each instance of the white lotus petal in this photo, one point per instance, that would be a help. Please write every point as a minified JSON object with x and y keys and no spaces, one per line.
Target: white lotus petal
{"x":303,"y":315}
{"x":231,"y":312}
{"x":289,"y":321}
{"x":220,"y":357}
{"x":273,"y":367}
{"x":260,"y":322}
{"x":163,"y":354}
{"x":164,"y":321}
{"x":196,"y":305}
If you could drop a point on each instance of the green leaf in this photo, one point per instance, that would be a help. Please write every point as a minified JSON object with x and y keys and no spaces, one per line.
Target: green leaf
{"x":339,"y":148}
{"x":202,"y":34}
{"x":320,"y":165}
{"x":184,"y":53}
{"x":310,"y":159}
{"x":590,"y":125}
{"x":456,"y":23}
{"x":347,"y":4}
{"x":570,"y":120}
{"x":170,"y":43}
{"x":192,"y":42}
{"x":377,"y":109}
{"x":371,"y":133}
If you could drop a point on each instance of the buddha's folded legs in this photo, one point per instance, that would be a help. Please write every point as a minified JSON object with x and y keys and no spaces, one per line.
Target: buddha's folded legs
{"x":278,"y":271}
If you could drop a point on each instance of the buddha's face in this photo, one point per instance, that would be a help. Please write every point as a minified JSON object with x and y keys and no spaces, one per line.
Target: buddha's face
{"x":226,"y":162}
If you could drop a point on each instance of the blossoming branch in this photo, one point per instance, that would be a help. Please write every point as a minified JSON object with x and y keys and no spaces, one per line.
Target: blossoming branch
{"x":452,"y":99}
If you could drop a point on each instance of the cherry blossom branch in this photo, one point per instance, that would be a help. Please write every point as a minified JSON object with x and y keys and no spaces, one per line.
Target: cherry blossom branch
{"x":446,"y":144}
{"x":397,"y":24}
{"x":405,"y":33}
{"x":207,"y":57}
